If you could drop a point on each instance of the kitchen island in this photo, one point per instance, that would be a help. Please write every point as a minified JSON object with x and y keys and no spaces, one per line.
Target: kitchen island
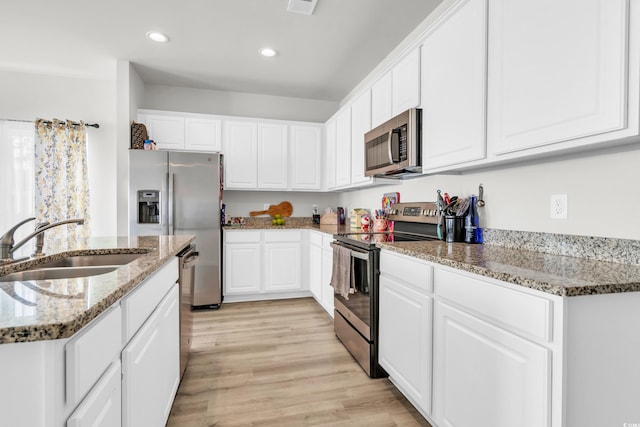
{"x":98,"y":349}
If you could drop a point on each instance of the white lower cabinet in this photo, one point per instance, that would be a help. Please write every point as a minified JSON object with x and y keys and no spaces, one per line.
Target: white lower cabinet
{"x":320,"y":268}
{"x":486,"y":376}
{"x":469,"y":351}
{"x":327,"y":270}
{"x":315,"y":264}
{"x":263,"y":264}
{"x":88,"y":379}
{"x":406,"y":324}
{"x":282,"y":266}
{"x":150,"y":367}
{"x":405,"y":339}
{"x":102,"y":407}
{"x":242,"y":267}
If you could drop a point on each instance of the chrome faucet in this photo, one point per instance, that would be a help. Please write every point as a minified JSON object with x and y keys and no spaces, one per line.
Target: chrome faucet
{"x":7,"y":242}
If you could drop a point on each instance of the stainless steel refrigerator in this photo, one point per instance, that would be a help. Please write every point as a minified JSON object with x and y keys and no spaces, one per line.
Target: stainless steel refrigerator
{"x":180,"y":193}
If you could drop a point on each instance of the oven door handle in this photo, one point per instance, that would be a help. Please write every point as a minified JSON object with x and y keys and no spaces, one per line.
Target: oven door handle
{"x":354,"y":253}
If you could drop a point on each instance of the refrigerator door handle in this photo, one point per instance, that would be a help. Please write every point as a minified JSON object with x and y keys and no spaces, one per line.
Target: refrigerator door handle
{"x":171,"y":201}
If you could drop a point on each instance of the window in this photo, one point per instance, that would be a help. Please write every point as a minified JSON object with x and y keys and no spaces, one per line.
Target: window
{"x":17,"y":177}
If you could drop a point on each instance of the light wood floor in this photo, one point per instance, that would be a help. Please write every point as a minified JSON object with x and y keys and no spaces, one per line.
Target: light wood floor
{"x":278,"y":363}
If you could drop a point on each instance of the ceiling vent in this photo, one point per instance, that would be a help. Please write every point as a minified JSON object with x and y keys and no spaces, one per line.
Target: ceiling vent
{"x":302,"y":6}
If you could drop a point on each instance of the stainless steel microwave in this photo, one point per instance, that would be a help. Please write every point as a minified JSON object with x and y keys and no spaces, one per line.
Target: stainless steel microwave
{"x":393,"y":149}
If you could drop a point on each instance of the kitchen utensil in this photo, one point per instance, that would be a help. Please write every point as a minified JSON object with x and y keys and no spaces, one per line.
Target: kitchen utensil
{"x":462,"y":207}
{"x":284,"y":209}
{"x":480,"y":201}
{"x":440,"y":211}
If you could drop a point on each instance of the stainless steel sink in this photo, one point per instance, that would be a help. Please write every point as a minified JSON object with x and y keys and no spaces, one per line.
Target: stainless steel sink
{"x":57,"y":273}
{"x":73,"y":266}
{"x":91,"y":260}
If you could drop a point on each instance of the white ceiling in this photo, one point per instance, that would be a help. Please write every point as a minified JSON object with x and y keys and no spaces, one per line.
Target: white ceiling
{"x":214,"y":43}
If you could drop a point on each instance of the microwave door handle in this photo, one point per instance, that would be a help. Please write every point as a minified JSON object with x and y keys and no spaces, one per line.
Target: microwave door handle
{"x":394,"y":140}
{"x":389,"y":144}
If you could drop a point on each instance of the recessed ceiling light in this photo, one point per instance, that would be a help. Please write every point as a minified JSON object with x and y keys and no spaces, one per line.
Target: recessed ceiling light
{"x":268,"y":52}
{"x":157,"y":37}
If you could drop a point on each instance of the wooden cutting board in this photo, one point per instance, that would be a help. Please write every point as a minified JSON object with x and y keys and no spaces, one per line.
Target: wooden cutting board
{"x":283,"y":208}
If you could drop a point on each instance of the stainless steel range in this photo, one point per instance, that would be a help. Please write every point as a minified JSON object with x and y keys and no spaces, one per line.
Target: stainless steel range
{"x":356,"y":317}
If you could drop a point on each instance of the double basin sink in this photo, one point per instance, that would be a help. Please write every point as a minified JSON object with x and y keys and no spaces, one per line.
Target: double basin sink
{"x":73,"y":266}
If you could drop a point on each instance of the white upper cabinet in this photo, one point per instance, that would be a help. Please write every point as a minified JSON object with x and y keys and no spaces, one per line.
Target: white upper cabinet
{"x":454,"y":72}
{"x":360,"y":124}
{"x":343,"y":147}
{"x":166,"y":131}
{"x":241,"y":155}
{"x":305,"y":143}
{"x":381,"y":100}
{"x":330,"y":155}
{"x":272,"y":156}
{"x":559,"y":72}
{"x":405,"y":79}
{"x":183,"y":131}
{"x":202,"y":134}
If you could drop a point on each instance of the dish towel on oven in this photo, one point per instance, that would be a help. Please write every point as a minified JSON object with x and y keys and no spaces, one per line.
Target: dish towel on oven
{"x":341,"y":273}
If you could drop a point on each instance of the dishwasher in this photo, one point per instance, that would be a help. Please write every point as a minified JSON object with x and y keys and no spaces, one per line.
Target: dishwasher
{"x":187,"y":259}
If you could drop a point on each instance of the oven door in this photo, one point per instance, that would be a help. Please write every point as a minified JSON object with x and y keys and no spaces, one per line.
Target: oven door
{"x":357,"y":309}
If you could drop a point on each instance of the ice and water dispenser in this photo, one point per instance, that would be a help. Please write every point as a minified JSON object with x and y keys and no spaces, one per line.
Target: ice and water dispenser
{"x":148,"y":207}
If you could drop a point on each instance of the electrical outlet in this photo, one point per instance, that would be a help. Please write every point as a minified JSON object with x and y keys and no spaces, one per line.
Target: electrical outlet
{"x":558,"y":206}
{"x":265,"y":206}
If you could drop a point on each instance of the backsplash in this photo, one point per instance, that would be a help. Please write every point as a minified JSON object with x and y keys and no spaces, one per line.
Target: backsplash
{"x":623,"y":251}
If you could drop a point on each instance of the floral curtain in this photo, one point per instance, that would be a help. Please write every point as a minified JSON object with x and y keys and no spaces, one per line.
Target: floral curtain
{"x":61,"y":181}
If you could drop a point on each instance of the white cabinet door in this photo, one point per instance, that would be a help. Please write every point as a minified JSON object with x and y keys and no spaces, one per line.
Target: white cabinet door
{"x":360,"y":124}
{"x":282,"y":267}
{"x":272,"y":156}
{"x":487,"y":377}
{"x":406,"y":340}
{"x":329,"y":170}
{"x":327,"y":269}
{"x":343,"y":148}
{"x":557,"y":71}
{"x":242,"y":268}
{"x":454,"y":72}
{"x":315,"y":272}
{"x":166,"y":131}
{"x":381,"y":100}
{"x":202,"y":134}
{"x":306,"y":159}
{"x":102,"y":407}
{"x":241,"y":155}
{"x":405,"y":77}
{"x":151,"y":367}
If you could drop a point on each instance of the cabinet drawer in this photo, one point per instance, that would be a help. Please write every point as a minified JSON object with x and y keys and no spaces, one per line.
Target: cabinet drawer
{"x":241,"y":236}
{"x":518,"y":311}
{"x":326,"y":240}
{"x":90,"y":352}
{"x":282,"y":236}
{"x":102,"y":407}
{"x":409,"y":270}
{"x":138,"y":306}
{"x":315,"y":238}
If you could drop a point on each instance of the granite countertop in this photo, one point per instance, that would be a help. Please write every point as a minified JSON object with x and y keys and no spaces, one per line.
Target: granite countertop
{"x":291,"y":223}
{"x":551,"y":273}
{"x":53,"y":309}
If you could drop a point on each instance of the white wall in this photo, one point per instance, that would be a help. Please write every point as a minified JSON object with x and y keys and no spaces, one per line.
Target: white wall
{"x":130,"y":90}
{"x":240,"y":203}
{"x":603,"y":191}
{"x":26,"y":96}
{"x":172,"y":98}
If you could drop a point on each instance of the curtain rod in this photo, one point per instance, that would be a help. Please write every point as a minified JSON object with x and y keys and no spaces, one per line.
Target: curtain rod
{"x":93,"y":125}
